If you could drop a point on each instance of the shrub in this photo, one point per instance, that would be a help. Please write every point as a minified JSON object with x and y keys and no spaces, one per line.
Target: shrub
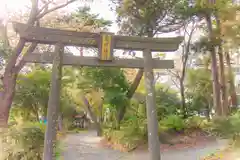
{"x":23,"y":142}
{"x":195,"y":122}
{"x":167,"y":102}
{"x":132,"y":133}
{"x":172,"y":122}
{"x":228,"y":127}
{"x":123,"y":139}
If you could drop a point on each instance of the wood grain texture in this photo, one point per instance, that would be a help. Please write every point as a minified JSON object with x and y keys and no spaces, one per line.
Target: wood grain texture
{"x":53,"y":104}
{"x":88,"y":39}
{"x":94,"y":61}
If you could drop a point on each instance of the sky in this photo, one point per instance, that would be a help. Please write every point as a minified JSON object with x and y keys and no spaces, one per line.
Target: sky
{"x":101,"y":7}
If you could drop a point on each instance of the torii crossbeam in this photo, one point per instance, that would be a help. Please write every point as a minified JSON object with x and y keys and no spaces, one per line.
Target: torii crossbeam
{"x":105,"y":42}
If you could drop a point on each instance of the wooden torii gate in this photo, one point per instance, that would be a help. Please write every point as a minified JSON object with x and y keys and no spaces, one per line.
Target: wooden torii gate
{"x":105,"y":42}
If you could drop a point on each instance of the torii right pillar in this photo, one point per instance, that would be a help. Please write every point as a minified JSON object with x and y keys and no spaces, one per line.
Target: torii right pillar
{"x":152,"y":122}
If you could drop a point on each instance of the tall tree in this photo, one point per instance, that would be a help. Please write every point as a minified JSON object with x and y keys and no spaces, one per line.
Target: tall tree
{"x":198,"y":82}
{"x":204,"y":10}
{"x":179,"y":74}
{"x":229,"y":33}
{"x":224,"y":99}
{"x":147,"y":18}
{"x":14,"y":63}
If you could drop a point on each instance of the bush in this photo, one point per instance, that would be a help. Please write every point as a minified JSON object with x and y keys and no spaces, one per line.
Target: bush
{"x":132,"y":133}
{"x":123,"y":139}
{"x":172,"y":122}
{"x":195,"y":122}
{"x":23,"y":142}
{"x":167,"y":102}
{"x":227,"y":127}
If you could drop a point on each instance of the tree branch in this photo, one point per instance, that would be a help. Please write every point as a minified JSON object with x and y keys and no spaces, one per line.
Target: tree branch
{"x":45,"y":7}
{"x":187,"y":50}
{"x":87,"y":107}
{"x":21,"y":43}
{"x":54,"y":8}
{"x":175,"y":74}
{"x":21,"y":63}
{"x":135,"y":83}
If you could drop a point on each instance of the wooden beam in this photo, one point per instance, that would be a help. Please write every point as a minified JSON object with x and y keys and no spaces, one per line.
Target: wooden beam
{"x":87,"y":39}
{"x":69,"y":59}
{"x":53,"y":104}
{"x":152,"y":121}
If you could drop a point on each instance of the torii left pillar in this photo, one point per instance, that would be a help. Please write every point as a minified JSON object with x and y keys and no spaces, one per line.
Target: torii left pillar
{"x":53,"y":104}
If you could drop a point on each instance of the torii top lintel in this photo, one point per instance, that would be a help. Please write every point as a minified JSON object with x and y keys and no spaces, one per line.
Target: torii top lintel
{"x":89,"y":39}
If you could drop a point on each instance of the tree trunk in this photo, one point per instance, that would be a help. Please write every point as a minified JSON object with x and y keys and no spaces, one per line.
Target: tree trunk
{"x":183,"y":103}
{"x":225,"y":109}
{"x":216,"y":86}
{"x":223,"y":83}
{"x":93,"y":117}
{"x":233,"y":93}
{"x":132,"y":89}
{"x":12,"y":69}
{"x":99,"y":129}
{"x":60,"y":122}
{"x":184,"y":58}
{"x":135,"y":84}
{"x":208,"y":112}
{"x":6,"y":97}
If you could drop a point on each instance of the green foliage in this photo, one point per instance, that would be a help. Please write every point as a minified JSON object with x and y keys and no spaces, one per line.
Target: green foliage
{"x":23,"y":142}
{"x":137,"y":17}
{"x":167,"y":102}
{"x":132,"y":133}
{"x":199,"y":93}
{"x":111,"y":81}
{"x":32,"y":92}
{"x":196,"y":122}
{"x":172,"y":122}
{"x":83,"y":15}
{"x":227,"y":126}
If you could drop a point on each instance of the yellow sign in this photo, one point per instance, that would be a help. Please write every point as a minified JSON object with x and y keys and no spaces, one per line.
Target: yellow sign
{"x":106,"y":47}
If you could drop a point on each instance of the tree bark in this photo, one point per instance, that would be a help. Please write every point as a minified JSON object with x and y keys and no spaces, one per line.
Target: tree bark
{"x":6,"y":97}
{"x":12,"y":69}
{"x":223,"y":83}
{"x":183,"y":103}
{"x":93,"y":117}
{"x":211,"y":49}
{"x":185,"y":56}
{"x":132,"y":89}
{"x":225,"y":109}
{"x":10,"y":74}
{"x":130,"y":93}
{"x":60,"y":122}
{"x":233,"y":93}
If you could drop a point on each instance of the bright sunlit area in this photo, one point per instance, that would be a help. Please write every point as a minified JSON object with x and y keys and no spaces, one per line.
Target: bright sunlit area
{"x":119,"y":80}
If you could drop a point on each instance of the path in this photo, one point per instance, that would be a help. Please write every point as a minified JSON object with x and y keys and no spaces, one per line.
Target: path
{"x":84,"y":146}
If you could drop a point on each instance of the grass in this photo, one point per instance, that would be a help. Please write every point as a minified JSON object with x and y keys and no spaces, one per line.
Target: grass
{"x":59,"y":151}
{"x":124,"y":139}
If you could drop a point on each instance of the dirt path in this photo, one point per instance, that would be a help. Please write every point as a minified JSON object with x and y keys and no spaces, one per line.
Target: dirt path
{"x":84,"y":146}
